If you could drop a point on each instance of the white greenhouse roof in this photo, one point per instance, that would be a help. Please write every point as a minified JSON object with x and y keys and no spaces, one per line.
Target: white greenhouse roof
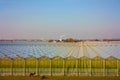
{"x":89,"y":49}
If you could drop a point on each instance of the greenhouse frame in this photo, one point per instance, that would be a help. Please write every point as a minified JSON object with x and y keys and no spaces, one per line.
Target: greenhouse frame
{"x":74,"y":59}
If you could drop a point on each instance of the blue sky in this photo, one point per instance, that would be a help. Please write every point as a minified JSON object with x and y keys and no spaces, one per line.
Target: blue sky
{"x":81,"y":19}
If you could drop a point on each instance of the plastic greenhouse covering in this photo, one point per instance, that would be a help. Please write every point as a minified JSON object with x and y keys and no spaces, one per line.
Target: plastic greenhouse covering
{"x":87,"y":58}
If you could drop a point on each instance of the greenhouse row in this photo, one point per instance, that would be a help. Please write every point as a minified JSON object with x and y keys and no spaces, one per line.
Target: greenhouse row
{"x":86,"y":58}
{"x":83,"y":66}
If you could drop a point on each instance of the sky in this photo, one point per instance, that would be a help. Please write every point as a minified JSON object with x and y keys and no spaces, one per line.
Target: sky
{"x":50,"y":19}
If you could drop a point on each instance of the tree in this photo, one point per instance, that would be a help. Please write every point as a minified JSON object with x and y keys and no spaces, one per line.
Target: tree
{"x":69,"y":40}
{"x":51,"y":40}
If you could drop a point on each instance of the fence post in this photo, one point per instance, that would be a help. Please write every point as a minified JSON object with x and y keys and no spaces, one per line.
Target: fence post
{"x":36,"y":66}
{"x":64,"y":67}
{"x":90,"y":68}
{"x":77,"y":67}
{"x":0,"y":66}
{"x":117,"y":67}
{"x":51,"y":66}
{"x":104,"y":67}
{"x":12,"y":66}
{"x":24,"y":69}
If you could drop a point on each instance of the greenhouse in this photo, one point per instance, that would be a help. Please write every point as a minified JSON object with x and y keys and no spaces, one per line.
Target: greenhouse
{"x":88,"y":58}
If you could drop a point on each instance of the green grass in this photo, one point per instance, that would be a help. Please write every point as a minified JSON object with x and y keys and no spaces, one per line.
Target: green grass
{"x":59,"y":78}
